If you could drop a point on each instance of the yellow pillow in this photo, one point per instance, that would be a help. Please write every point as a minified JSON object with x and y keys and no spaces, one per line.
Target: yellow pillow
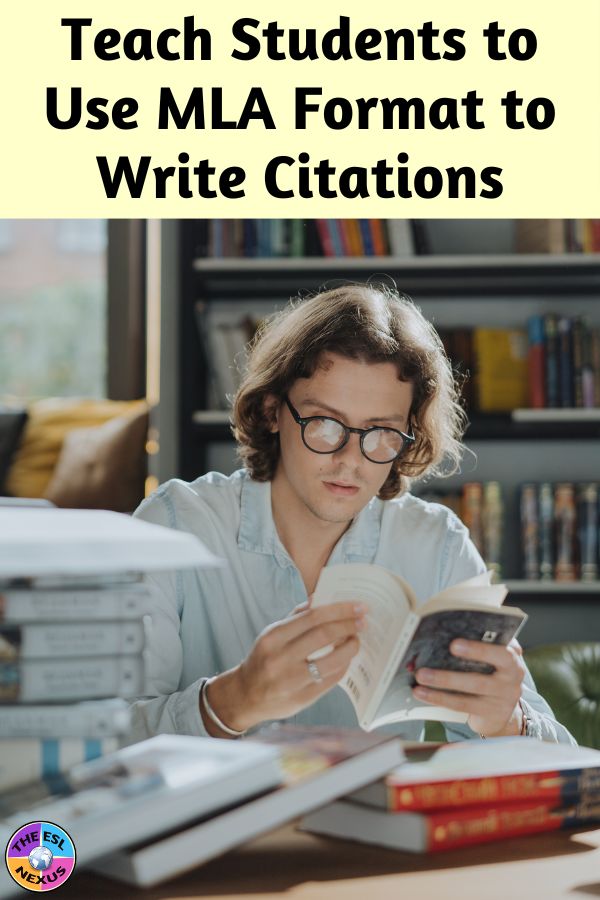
{"x":47,"y":426}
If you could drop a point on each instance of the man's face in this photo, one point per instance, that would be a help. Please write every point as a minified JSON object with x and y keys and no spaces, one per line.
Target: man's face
{"x":335,"y":487}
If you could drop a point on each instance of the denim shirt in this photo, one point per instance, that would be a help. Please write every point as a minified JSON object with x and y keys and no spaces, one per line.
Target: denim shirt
{"x":205,"y":621}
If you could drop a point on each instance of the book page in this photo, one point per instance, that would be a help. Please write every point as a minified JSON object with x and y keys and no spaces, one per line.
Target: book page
{"x":475,"y":591}
{"x":388,"y":608}
{"x":430,"y":648}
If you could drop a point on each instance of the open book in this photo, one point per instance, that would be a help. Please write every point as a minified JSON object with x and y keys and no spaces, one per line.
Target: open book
{"x":402,"y":636}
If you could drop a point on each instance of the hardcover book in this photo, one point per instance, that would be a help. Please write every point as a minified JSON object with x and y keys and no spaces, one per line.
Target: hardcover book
{"x":402,"y":636}
{"x":445,"y":829}
{"x":474,"y":773}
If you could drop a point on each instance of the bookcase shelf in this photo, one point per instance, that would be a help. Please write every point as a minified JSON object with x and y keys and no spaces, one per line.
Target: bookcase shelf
{"x":509,"y":275}
{"x":544,"y":589}
{"x":214,"y":425}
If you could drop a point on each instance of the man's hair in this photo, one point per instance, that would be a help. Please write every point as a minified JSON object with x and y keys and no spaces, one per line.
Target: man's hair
{"x":370,"y":323}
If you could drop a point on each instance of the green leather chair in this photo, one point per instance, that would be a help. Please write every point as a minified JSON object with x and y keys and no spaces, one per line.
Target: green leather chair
{"x":567,"y":675}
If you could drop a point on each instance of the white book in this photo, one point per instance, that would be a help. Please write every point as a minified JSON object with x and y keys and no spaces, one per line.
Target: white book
{"x":400,"y":236}
{"x":33,"y":759}
{"x":66,"y":542}
{"x":319,"y":764}
{"x":90,"y":719}
{"x":402,"y":636}
{"x":70,"y":639}
{"x":57,"y":680}
{"x":151,"y":786}
{"x":71,"y":603}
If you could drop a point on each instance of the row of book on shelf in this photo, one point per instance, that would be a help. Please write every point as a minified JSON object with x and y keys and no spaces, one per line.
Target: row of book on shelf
{"x":554,"y":363}
{"x":298,"y":238}
{"x":73,"y":609}
{"x":559,"y":526}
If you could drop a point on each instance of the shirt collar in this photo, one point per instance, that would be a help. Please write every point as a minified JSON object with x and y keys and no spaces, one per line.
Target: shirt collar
{"x":258,"y":533}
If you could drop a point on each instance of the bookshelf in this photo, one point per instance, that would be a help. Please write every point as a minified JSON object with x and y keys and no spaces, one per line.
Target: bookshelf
{"x":490,"y":285}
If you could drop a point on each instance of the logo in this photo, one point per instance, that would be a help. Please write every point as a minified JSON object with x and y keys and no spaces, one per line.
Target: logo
{"x":40,"y":856}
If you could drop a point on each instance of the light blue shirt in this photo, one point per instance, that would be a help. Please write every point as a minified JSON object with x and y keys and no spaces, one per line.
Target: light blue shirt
{"x":205,"y":621}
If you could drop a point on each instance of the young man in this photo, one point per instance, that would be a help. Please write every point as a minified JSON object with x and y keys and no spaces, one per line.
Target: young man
{"x":347,"y":396}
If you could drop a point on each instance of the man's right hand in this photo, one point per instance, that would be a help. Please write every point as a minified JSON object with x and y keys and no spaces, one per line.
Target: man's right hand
{"x":274,"y":680}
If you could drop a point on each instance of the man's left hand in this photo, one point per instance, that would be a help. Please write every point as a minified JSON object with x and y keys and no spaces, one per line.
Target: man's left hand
{"x":491,"y":701}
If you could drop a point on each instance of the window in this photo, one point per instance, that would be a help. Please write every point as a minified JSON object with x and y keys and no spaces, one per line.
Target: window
{"x":53,"y":308}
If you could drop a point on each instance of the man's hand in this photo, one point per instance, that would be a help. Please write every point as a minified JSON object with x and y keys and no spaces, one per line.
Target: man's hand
{"x":492,"y":701}
{"x":274,"y":681}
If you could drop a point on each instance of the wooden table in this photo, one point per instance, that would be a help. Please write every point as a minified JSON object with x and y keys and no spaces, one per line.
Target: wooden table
{"x":298,"y":866}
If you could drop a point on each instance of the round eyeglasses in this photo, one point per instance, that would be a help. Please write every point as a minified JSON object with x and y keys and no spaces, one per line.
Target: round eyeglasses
{"x":322,"y":434}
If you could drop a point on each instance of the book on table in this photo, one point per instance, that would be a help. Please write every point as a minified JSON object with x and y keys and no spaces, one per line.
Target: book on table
{"x":454,"y":795}
{"x":171,"y":803}
{"x":139,"y":790}
{"x":318,"y":764}
{"x":445,"y":829}
{"x":402,"y":636}
{"x":472,"y":773}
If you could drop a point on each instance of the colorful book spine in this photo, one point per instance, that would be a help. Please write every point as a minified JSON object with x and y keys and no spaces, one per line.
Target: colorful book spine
{"x":546,"y":531}
{"x":589,"y":534}
{"x":493,"y":513}
{"x":530,"y":541}
{"x":536,"y":363}
{"x":565,"y":517}
{"x":552,"y":356}
{"x":552,"y":787}
{"x":472,"y":512}
{"x":565,"y":362}
{"x":449,"y":830}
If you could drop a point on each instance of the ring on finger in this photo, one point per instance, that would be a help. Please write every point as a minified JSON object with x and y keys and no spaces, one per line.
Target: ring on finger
{"x":313,"y":671}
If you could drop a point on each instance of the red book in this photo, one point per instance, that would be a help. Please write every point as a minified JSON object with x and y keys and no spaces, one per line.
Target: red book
{"x":536,"y":363}
{"x":449,"y":776}
{"x":325,"y":237}
{"x":445,"y":829}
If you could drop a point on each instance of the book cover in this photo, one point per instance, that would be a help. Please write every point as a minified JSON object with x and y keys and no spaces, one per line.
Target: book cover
{"x":318,"y":764}
{"x":149,"y":787}
{"x":65,"y":542}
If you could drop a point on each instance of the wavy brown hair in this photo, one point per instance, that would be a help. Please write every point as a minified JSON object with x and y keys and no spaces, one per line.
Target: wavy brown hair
{"x":371,"y":323}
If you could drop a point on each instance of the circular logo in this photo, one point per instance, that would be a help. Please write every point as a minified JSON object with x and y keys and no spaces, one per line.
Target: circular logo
{"x":40,"y":856}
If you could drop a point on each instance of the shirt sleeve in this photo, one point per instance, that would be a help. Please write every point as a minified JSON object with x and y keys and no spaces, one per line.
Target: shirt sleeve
{"x":460,"y":561}
{"x":165,"y":709}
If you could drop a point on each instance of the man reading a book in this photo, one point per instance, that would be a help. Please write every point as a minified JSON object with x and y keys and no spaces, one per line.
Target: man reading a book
{"x":347,"y":396}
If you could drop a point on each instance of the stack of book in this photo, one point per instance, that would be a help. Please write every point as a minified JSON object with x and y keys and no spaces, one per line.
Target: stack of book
{"x":454,"y":795}
{"x":168,"y":804}
{"x":72,"y":603}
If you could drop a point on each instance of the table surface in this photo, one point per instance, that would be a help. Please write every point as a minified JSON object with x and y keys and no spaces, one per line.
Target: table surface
{"x":297,"y":866}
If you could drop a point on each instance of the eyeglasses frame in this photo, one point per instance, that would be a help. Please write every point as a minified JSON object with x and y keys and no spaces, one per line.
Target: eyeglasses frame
{"x":304,"y":421}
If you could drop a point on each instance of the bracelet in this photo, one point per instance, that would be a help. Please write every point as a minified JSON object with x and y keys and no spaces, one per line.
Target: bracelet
{"x":524,"y":723}
{"x":212,"y":714}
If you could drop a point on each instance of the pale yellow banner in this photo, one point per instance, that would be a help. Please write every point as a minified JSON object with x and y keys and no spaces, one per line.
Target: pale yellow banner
{"x":365,"y":150}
